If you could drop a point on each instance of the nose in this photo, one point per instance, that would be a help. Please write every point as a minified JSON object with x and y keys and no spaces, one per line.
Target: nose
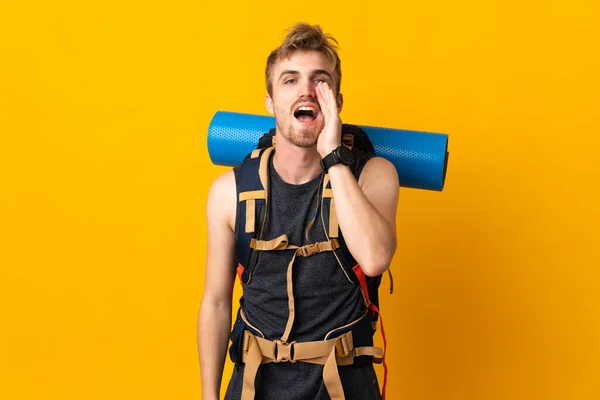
{"x":308,"y":89}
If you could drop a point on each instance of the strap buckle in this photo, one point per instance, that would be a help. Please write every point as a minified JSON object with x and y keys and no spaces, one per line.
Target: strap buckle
{"x":284,"y":351}
{"x":310,"y":249}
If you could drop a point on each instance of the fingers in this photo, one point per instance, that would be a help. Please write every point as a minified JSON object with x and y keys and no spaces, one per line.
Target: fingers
{"x":326,"y":99}
{"x":321,"y":98}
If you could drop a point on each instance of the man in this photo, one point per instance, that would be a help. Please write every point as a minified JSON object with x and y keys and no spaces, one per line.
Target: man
{"x":303,"y":82}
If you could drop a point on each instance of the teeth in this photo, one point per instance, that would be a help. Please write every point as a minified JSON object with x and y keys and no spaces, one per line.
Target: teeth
{"x":306,"y":108}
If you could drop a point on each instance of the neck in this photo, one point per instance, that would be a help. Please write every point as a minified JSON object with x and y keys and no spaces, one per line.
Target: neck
{"x":295,"y":165}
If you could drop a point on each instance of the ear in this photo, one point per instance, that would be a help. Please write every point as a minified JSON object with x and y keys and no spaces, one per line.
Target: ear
{"x":269,"y":104}
{"x":340,"y":102}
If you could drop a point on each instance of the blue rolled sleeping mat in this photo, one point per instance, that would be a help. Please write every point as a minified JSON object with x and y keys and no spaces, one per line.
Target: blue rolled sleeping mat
{"x":421,"y":158}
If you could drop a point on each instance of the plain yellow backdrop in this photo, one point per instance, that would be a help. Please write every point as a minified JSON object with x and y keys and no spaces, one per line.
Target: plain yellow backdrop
{"x":104,"y":172}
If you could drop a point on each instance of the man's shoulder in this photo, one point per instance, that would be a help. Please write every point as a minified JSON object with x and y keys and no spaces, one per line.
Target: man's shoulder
{"x":381,"y":170}
{"x":222,"y":197}
{"x":224,"y":182}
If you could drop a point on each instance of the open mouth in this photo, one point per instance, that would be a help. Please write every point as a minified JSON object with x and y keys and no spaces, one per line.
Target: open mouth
{"x":306,"y":114}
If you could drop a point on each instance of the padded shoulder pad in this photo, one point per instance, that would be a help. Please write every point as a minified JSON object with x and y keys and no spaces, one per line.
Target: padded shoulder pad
{"x":247,"y":178}
{"x":250,"y":210}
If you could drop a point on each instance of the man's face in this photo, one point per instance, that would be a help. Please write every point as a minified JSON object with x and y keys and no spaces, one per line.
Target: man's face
{"x":294,"y":102}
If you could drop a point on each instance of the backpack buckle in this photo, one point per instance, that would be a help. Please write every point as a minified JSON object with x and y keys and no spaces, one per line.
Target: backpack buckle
{"x":284,"y":351}
{"x":310,"y":249}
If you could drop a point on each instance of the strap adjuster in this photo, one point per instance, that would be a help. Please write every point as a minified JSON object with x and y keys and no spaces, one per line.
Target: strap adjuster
{"x":334,"y":244}
{"x":344,"y":345}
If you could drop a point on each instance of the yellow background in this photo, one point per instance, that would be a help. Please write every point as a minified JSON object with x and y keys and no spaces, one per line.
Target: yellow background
{"x":104,"y":172}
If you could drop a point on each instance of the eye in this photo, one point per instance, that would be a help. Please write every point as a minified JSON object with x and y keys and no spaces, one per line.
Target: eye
{"x":318,"y":80}
{"x":289,"y":81}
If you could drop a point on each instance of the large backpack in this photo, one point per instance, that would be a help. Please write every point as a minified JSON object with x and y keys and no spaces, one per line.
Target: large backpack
{"x":252,"y":212}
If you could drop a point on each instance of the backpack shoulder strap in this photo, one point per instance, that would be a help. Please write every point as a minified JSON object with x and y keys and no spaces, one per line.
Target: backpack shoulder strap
{"x":252,"y":183}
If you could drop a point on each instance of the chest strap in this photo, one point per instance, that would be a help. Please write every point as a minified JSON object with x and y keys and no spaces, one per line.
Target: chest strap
{"x":282,"y":243}
{"x":329,"y":353}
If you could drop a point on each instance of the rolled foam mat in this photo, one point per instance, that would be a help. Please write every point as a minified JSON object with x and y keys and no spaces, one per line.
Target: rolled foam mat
{"x":421,"y":158}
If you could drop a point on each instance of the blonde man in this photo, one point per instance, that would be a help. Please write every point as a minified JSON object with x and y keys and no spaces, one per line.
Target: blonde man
{"x":290,"y":301}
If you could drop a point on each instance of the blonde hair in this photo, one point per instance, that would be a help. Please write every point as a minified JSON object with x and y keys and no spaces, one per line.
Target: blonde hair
{"x":305,"y":37}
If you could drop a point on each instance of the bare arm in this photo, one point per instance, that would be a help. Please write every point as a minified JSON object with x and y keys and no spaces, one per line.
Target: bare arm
{"x":366,"y":212}
{"x":214,"y":319}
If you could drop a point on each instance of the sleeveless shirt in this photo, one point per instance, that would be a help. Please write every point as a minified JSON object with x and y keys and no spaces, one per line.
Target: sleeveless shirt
{"x":324,"y":300}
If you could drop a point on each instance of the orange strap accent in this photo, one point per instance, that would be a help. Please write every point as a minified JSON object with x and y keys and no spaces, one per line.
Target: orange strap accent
{"x":363,"y":286}
{"x":385,"y":369}
{"x":240,"y":271}
{"x":362,"y":279}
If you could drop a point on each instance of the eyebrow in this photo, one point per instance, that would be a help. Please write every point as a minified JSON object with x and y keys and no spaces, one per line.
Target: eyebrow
{"x":315,"y":72}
